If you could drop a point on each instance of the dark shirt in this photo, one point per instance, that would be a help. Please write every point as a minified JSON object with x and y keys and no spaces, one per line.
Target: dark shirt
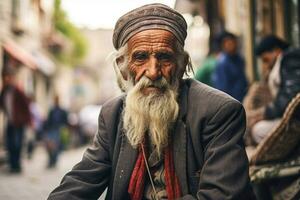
{"x":57,"y":118}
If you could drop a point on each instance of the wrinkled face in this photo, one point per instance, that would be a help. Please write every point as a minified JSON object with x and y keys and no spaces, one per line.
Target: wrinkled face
{"x":152,"y":53}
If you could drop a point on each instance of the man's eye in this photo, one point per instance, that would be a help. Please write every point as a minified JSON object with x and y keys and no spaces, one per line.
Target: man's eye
{"x":140,"y":56}
{"x":164,"y":56}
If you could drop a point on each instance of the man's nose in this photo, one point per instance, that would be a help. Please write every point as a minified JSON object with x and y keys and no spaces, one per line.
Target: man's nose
{"x":153,"y":71}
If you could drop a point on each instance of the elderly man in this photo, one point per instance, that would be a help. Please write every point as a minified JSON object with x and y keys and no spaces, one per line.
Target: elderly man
{"x":167,"y":138}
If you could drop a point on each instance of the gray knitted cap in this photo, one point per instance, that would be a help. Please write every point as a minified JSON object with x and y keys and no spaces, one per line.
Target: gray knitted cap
{"x":150,"y":16}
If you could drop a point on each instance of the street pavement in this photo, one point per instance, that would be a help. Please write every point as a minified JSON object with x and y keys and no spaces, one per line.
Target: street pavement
{"x":36,"y":181}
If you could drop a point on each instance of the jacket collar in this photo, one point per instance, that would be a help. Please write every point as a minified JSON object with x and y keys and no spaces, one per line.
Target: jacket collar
{"x":180,"y":141}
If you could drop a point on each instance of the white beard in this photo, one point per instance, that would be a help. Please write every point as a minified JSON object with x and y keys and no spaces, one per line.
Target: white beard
{"x":154,"y":113}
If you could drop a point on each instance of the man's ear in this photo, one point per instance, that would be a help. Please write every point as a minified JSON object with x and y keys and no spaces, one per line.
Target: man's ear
{"x":186,"y":59}
{"x":120,"y":59}
{"x":185,"y":62}
{"x":123,"y":71}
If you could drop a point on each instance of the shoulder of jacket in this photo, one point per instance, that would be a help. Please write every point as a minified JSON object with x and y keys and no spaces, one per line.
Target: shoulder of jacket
{"x":292,"y":52}
{"x":206,"y":99}
{"x":291,"y":59}
{"x":112,"y":106}
{"x":201,"y":91}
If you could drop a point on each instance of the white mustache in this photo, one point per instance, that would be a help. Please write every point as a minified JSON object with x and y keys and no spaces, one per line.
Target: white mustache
{"x":161,"y":83}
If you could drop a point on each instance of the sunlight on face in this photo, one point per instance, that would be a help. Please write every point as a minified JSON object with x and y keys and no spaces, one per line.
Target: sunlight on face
{"x":152,"y":54}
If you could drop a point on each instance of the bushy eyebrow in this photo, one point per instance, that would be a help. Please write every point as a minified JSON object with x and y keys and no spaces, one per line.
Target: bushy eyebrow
{"x":162,"y":51}
{"x":138,"y":52}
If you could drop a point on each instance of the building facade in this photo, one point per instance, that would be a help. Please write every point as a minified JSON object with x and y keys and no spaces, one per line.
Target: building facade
{"x":24,"y":25}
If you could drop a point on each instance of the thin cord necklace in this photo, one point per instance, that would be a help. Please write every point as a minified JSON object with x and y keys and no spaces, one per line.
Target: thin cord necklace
{"x":149,"y":173}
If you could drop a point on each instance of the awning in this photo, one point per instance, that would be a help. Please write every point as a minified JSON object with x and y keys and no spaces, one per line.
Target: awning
{"x":20,"y":54}
{"x":44,"y":64}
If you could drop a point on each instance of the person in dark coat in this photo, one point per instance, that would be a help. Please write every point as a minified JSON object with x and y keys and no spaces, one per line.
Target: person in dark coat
{"x":15,"y":105}
{"x":166,"y":137}
{"x":56,"y":120}
{"x":283,"y":82}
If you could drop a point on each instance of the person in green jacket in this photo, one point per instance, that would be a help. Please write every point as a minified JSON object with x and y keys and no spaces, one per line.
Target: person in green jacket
{"x":206,"y":69}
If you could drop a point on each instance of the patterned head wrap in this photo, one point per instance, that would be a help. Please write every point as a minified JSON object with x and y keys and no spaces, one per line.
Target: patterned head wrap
{"x":151,"y":16}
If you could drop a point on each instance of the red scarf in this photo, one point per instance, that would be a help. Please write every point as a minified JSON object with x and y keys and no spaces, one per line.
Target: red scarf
{"x":137,"y":180}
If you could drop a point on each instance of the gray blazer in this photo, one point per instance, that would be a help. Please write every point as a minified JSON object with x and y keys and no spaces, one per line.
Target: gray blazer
{"x":209,"y":155}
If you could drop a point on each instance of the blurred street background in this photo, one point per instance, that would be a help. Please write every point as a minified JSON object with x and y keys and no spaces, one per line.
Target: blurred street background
{"x":56,"y":51}
{"x":36,"y":181}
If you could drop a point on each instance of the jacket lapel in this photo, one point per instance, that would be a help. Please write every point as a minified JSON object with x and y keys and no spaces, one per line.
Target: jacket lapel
{"x":124,"y":167}
{"x":179,"y":143}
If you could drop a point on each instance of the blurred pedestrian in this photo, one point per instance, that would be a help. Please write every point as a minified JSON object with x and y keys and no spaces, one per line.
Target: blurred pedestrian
{"x":283,"y":81}
{"x":15,"y":104}
{"x":229,"y":75}
{"x":55,"y":126}
{"x":35,"y":131}
{"x":205,"y":71}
